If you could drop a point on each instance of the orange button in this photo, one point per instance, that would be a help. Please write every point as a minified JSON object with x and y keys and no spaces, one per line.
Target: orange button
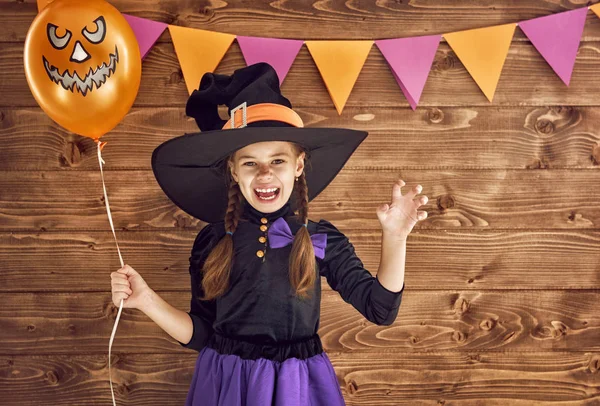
{"x":264,"y":220}
{"x":260,"y":254}
{"x":262,"y":239}
{"x":263,"y":228}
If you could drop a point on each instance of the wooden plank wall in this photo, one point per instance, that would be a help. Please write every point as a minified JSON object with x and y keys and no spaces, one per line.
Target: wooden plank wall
{"x":502,"y":297}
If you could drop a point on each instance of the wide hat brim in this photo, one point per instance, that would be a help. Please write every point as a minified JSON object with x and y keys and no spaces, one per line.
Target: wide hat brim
{"x":190,"y":169}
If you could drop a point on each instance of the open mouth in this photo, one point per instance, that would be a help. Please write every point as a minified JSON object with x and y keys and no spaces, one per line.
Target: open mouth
{"x":94,"y":77}
{"x":265,"y":195}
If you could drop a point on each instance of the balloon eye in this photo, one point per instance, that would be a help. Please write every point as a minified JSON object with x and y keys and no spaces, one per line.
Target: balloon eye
{"x":97,"y":36}
{"x":56,"y":41}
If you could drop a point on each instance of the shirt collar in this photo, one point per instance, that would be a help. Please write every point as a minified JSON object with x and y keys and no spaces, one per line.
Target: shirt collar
{"x":253,"y":215}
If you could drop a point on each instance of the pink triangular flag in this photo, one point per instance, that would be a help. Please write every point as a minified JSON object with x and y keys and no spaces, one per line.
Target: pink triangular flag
{"x":146,"y":32}
{"x":557,"y":38}
{"x":410,"y":60}
{"x":279,"y":53}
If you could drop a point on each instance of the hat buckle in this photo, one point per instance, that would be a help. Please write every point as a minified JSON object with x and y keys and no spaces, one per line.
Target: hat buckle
{"x":244,"y":107}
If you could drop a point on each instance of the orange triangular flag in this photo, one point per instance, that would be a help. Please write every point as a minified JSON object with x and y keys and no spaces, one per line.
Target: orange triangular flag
{"x":596,"y":9}
{"x":340,"y":63}
{"x":483,"y":52}
{"x":198,"y":51}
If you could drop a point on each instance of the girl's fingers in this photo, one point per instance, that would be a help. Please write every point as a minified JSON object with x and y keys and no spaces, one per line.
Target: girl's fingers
{"x":397,"y":190}
{"x":123,"y":290}
{"x":127,"y":270}
{"x":421,"y":200}
{"x":120,"y":287}
{"x":119,"y":282}
{"x":116,"y":275}
{"x":415,"y":190}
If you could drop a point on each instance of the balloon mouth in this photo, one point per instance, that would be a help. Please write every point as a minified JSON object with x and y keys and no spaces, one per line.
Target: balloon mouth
{"x":95,"y":77}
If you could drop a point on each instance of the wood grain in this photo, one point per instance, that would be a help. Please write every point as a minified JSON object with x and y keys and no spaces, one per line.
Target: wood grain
{"x":498,"y":320}
{"x":81,"y":261}
{"x":501,"y":305}
{"x":458,"y":199}
{"x":437,"y":377}
{"x":484,"y":137}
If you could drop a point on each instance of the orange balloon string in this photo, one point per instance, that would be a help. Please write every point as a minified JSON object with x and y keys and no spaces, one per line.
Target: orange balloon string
{"x":112,"y":227}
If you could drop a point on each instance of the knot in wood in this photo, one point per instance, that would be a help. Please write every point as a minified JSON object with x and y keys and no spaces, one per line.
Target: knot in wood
{"x":52,"y":378}
{"x":595,"y":157}
{"x":462,"y":305}
{"x":176,"y":77}
{"x":435,"y":115}
{"x":594,"y":364}
{"x":352,"y":387}
{"x":560,"y":329}
{"x":459,"y":336}
{"x":123,"y":389}
{"x":487,"y":324}
{"x":72,"y":155}
{"x":447,"y":62}
{"x":544,"y":126}
{"x":446,"y":202}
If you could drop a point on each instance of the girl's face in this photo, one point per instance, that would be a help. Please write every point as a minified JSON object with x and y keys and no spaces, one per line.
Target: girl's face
{"x":266,"y":173}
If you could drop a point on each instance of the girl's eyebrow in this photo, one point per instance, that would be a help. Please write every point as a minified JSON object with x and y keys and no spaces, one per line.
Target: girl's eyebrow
{"x":272,"y":156}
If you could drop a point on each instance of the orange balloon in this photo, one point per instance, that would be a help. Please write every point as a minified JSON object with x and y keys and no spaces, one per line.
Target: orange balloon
{"x":83,"y":65}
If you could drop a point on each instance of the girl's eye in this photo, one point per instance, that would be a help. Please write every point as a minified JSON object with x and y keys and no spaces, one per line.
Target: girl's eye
{"x":246,"y":163}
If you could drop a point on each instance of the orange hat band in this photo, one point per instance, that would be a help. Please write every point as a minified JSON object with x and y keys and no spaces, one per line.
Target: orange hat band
{"x":262,"y":112}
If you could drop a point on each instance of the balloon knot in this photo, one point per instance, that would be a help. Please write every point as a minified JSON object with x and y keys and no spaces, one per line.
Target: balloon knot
{"x":101,"y":143}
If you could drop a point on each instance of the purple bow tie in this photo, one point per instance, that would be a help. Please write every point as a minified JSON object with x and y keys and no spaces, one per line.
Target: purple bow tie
{"x":280,"y":235}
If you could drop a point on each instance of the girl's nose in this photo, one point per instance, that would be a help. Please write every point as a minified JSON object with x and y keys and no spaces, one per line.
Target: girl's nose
{"x":264,"y":169}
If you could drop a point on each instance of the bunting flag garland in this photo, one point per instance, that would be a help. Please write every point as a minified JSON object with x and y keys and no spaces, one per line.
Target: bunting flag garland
{"x":410,"y":60}
{"x":279,"y":53}
{"x":339,"y":63}
{"x":146,"y":32}
{"x":198,"y":51}
{"x":483,"y":52}
{"x":557,"y":37}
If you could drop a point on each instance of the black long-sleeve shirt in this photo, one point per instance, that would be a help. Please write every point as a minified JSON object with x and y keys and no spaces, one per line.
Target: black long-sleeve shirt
{"x":260,"y":305}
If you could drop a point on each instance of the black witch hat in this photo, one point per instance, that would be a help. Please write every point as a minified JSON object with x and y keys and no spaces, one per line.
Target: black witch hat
{"x":192,"y":170}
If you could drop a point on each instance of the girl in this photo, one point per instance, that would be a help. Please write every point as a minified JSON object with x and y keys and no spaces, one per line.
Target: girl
{"x":255,"y":266}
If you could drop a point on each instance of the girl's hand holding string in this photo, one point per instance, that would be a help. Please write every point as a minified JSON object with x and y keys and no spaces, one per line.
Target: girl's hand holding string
{"x":398,"y":218}
{"x":128,"y":284}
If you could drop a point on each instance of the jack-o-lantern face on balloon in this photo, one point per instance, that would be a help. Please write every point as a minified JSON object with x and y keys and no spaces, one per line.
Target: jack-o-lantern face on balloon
{"x":91,"y":70}
{"x":83,"y":65}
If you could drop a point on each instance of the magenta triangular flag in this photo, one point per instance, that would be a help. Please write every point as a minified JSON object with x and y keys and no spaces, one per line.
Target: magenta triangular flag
{"x":279,"y":53}
{"x":410,"y":60}
{"x":146,"y":32}
{"x":557,"y":37}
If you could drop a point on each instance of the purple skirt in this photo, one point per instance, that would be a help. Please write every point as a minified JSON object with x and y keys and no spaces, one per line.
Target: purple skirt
{"x":297,"y":374}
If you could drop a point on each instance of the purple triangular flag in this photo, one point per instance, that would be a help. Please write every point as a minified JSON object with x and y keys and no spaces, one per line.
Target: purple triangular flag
{"x":557,"y":37}
{"x":146,"y":32}
{"x":279,"y":53}
{"x":410,"y":60}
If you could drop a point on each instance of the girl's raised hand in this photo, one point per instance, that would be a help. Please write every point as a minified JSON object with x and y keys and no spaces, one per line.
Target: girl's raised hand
{"x":128,"y":285}
{"x":398,"y":218}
